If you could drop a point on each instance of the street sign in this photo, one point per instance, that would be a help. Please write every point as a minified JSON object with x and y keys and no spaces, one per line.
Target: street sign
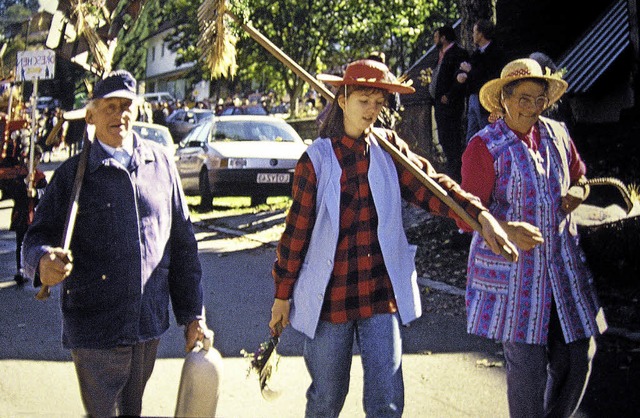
{"x":40,"y":64}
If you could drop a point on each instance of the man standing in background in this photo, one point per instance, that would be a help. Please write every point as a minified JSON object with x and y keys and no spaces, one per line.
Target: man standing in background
{"x":483,"y":65}
{"x":448,"y":97}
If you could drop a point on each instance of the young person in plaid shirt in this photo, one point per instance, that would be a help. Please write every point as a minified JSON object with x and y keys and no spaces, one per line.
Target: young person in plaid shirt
{"x":344,"y":268}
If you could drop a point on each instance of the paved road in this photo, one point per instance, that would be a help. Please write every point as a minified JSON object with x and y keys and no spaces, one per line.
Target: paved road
{"x":447,"y":373}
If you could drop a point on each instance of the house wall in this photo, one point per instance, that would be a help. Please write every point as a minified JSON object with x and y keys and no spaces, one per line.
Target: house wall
{"x":161,"y":69}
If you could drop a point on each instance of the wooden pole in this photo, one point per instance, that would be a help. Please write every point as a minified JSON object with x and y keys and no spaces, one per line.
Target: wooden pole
{"x":432,"y":185}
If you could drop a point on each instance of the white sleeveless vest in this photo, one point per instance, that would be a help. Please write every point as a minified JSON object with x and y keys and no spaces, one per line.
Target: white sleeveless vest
{"x":399,"y":256}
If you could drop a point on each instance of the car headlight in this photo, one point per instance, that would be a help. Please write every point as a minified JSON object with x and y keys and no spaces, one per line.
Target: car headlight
{"x":233,"y":163}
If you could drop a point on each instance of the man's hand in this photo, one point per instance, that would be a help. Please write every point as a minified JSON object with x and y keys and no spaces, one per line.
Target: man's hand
{"x":525,"y":235}
{"x":195,"y":331}
{"x":496,"y":237}
{"x":55,"y":266}
{"x":279,"y":314}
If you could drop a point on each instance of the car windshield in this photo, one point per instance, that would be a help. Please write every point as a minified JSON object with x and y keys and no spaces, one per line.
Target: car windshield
{"x":244,"y":110}
{"x":253,"y":131}
{"x":155,"y":135}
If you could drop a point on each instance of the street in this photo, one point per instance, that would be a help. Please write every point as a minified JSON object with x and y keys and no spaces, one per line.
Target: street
{"x":447,"y":373}
{"x":37,"y":378}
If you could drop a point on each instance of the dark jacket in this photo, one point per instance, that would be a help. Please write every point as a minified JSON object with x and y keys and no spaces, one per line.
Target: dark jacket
{"x":133,"y":248}
{"x":446,"y":83}
{"x":24,"y":206}
{"x":485,"y":66}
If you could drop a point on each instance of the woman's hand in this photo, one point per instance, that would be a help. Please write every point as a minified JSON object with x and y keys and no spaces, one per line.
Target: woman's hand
{"x":279,"y":314}
{"x":570,"y":203}
{"x":525,"y":235}
{"x":495,"y":236}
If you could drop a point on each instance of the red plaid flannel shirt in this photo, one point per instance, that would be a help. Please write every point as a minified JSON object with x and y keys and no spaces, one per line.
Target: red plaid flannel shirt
{"x":360,"y":285}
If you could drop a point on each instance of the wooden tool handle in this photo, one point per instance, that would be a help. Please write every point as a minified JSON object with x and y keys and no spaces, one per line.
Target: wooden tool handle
{"x":72,"y":211}
{"x":434,"y":187}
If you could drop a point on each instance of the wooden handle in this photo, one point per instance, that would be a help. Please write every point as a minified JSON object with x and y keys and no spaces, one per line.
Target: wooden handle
{"x":72,"y":211}
{"x":434,"y":187}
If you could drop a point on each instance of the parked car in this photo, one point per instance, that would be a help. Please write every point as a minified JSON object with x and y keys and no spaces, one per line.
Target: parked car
{"x":180,"y":122}
{"x":239,"y":156}
{"x":159,"y":97}
{"x":156,"y":133}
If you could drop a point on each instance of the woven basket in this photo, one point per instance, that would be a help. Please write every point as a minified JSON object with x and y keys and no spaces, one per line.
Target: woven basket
{"x":610,"y":235}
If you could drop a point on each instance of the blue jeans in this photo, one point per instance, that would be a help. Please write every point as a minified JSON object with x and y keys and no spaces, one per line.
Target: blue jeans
{"x":476,"y":116}
{"x":328,"y":359}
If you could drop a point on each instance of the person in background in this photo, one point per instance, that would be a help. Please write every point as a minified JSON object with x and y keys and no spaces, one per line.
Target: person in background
{"x":26,"y":193}
{"x":344,"y":270}
{"x":543,"y":308}
{"x":560,"y":110}
{"x":484,"y":64}
{"x":133,"y":253}
{"x":448,"y":96}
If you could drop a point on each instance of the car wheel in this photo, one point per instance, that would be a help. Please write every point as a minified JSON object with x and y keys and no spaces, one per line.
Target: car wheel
{"x":206,"y":194}
{"x":258,"y":200}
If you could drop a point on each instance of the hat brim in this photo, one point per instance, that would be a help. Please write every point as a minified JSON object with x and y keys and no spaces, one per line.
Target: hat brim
{"x":75,"y":114}
{"x":122,"y":94}
{"x":383,"y":85}
{"x":490,"y":92}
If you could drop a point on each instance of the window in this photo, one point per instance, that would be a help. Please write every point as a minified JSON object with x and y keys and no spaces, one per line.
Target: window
{"x":153,"y":53}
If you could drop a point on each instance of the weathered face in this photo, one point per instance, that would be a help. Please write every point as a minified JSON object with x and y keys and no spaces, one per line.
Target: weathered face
{"x":361,"y":110}
{"x":113,"y":119}
{"x":524,"y":105}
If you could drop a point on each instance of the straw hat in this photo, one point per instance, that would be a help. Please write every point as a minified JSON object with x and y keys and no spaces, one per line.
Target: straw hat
{"x":523,"y":68}
{"x":368,"y":73}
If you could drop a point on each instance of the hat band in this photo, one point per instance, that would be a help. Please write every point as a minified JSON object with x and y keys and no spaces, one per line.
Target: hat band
{"x":519,"y":72}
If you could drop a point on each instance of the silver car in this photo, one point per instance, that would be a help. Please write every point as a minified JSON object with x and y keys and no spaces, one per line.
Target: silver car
{"x":239,"y":156}
{"x":156,"y":133}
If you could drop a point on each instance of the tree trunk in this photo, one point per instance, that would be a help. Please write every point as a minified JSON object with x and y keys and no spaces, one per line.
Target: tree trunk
{"x":470,"y":12}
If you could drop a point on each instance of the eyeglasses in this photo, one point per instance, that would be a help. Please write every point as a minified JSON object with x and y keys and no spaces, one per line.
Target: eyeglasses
{"x":540,"y":102}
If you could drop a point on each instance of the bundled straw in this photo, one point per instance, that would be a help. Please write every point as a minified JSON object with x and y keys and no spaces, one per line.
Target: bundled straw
{"x":84,"y":12}
{"x":217,"y":43}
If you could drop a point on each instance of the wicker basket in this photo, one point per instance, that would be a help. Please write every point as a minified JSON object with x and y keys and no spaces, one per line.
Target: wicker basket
{"x":610,"y":235}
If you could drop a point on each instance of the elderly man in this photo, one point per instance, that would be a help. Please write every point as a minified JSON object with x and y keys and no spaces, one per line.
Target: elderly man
{"x":133,"y":250}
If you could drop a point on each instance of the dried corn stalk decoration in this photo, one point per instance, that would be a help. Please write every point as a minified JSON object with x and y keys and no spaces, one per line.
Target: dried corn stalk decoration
{"x":88,"y":14}
{"x":217,"y":43}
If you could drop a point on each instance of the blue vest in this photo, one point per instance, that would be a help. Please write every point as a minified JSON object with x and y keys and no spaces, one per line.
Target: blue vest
{"x":399,"y":256}
{"x":512,"y":301}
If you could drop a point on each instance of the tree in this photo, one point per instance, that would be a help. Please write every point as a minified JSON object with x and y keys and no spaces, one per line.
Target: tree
{"x":31,"y":5}
{"x":128,"y":54}
{"x":319,"y":35}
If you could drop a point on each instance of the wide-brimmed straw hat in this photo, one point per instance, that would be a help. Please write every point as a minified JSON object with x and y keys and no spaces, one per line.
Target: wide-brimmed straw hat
{"x":516,"y":70}
{"x":368,"y":73}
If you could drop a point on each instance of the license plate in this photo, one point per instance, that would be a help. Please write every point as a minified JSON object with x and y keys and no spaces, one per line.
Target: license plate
{"x":273,"y":177}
